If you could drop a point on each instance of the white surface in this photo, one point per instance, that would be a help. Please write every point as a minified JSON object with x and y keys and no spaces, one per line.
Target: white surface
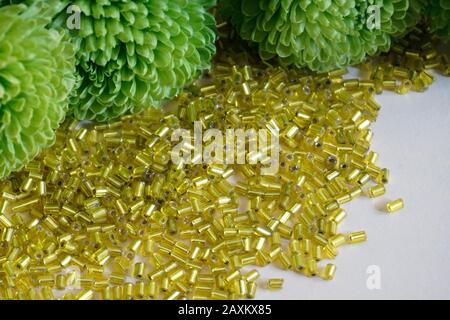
{"x":411,"y":247}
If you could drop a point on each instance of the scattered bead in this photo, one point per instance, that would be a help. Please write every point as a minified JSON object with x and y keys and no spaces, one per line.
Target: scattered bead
{"x":275,"y":283}
{"x":376,"y":191}
{"x":357,"y":237}
{"x":394,"y":206}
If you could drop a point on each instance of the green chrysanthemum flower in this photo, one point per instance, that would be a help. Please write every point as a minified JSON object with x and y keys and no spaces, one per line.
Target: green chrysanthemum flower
{"x":406,"y":15}
{"x":36,"y":76}
{"x":439,"y":16}
{"x":134,"y":53}
{"x":370,"y":36}
{"x":320,"y":34}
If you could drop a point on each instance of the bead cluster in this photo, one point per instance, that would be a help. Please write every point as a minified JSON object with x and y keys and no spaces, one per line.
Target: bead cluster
{"x":407,"y":67}
{"x":105,"y":213}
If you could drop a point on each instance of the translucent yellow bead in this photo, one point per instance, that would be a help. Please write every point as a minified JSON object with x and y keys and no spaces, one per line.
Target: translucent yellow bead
{"x":376,"y":191}
{"x":394,"y":206}
{"x":328,"y":272}
{"x":357,"y":237}
{"x":275,"y":283}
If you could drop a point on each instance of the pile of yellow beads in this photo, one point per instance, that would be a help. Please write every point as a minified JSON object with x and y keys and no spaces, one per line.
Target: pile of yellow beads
{"x":408,"y":65}
{"x":105,"y":214}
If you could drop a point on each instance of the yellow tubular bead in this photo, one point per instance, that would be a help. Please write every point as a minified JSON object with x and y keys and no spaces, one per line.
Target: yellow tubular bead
{"x":23,"y":262}
{"x":151,"y":289}
{"x":47,"y":293}
{"x":252,"y":275}
{"x":243,"y":287}
{"x":60,"y":282}
{"x":394,"y":206}
{"x":251,"y":291}
{"x":328,"y":272}
{"x":165,"y":284}
{"x":107,"y":293}
{"x":138,"y":270}
{"x":337,"y":240}
{"x":338,"y":215}
{"x":85,"y":295}
{"x":5,"y":222}
{"x":175,"y":295}
{"x":357,"y":237}
{"x":376,"y":191}
{"x":275,"y":283}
